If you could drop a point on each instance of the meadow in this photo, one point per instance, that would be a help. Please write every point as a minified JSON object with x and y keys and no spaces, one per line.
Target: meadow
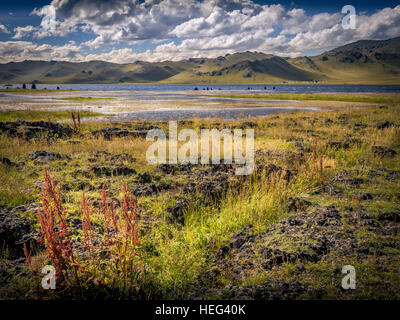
{"x":325,"y":193}
{"x":322,"y":97}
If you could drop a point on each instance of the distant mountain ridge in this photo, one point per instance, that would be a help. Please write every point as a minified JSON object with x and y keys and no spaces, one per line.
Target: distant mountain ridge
{"x":365,"y":61}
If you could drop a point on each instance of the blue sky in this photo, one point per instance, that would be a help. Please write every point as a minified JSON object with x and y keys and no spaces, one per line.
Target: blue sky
{"x":129,"y":30}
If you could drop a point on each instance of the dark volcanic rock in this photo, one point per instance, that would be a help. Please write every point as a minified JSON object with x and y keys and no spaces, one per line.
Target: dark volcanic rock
{"x":116,"y":171}
{"x":6,"y":161}
{"x":329,"y":189}
{"x":35,"y":129}
{"x":14,"y":231}
{"x":143,"y":177}
{"x":298,"y":204}
{"x":142,"y":190}
{"x":383,"y":152}
{"x":99,"y":153}
{"x":384,"y":125}
{"x":328,"y":216}
{"x":278,"y":290}
{"x":270,"y":169}
{"x":365,"y":196}
{"x":109,"y":133}
{"x":213,"y":185}
{"x":172,"y":168}
{"x":122,"y":157}
{"x":389,"y":216}
{"x":360,"y":125}
{"x":77,"y":184}
{"x":222,"y":167}
{"x":387,"y":174}
{"x":265,"y":156}
{"x":270,"y":290}
{"x":176,"y":212}
{"x":347,"y":177}
{"x":45,"y":156}
{"x":337,"y":145}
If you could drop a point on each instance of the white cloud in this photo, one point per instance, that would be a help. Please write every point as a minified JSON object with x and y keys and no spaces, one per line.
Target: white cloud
{"x":383,"y":24}
{"x":204,"y":29}
{"x":3,"y":29}
{"x":22,"y":32}
{"x":26,"y":50}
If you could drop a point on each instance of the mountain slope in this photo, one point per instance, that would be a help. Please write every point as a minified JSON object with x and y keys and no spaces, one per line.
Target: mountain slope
{"x":367,"y":61}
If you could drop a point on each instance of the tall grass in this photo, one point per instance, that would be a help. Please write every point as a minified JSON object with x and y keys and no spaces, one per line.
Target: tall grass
{"x":184,"y":253}
{"x":13,"y":191}
{"x":76,"y":119}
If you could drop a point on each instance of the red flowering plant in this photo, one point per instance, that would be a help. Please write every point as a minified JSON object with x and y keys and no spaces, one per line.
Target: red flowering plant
{"x":54,"y":228}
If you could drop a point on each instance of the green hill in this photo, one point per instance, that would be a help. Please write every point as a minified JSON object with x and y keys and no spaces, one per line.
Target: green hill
{"x":367,"y":61}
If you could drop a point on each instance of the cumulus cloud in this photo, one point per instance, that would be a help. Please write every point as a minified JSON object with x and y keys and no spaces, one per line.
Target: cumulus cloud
{"x":383,"y":24}
{"x":22,"y":32}
{"x":27,"y":50}
{"x":190,"y":28}
{"x":3,"y":29}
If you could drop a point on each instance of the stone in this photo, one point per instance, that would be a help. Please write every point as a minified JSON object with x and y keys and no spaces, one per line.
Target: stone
{"x":383,"y":152}
{"x":42,"y":156}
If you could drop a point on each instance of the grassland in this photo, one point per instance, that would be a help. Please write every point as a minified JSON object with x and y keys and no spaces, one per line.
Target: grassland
{"x":321,"y":197}
{"x":39,"y":115}
{"x":321,"y":97}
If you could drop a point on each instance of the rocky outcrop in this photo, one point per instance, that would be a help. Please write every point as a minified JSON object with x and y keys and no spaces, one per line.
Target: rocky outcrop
{"x":14,"y":230}
{"x":42,"y":156}
{"x":109,"y":133}
{"x":383,"y":152}
{"x":35,"y":129}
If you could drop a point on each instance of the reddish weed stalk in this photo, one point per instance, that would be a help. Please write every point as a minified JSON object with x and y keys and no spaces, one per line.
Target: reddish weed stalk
{"x":27,"y":254}
{"x":123,"y":242}
{"x":125,"y":227}
{"x":57,"y":240}
{"x":110,"y":216}
{"x":125,"y":238}
{"x":86,"y":224}
{"x":129,"y":214}
{"x":77,"y":122}
{"x":130,"y":234}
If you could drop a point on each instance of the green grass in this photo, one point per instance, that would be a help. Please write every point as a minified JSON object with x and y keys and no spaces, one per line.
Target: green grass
{"x":35,"y":115}
{"x":320,"y":97}
{"x":13,"y":190}
{"x":174,"y":256}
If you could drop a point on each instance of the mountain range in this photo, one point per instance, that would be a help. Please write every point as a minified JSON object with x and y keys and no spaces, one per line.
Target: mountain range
{"x":361,"y":62}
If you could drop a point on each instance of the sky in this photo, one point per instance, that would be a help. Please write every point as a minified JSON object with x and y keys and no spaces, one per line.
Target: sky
{"x":124,"y":31}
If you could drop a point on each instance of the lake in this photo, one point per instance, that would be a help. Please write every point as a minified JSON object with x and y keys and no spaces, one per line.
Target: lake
{"x":279,"y":88}
{"x":164,"y":102}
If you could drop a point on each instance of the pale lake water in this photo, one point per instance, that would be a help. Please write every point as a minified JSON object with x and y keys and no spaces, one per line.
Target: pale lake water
{"x":279,"y":88}
{"x":166,"y":102}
